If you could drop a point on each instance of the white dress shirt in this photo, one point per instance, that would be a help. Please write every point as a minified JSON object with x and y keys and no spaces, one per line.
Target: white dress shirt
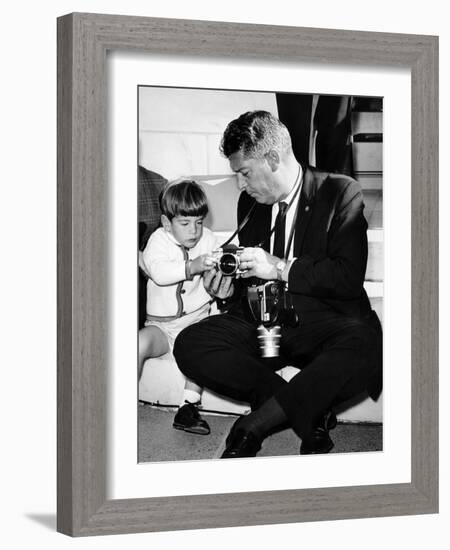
{"x":289,"y":216}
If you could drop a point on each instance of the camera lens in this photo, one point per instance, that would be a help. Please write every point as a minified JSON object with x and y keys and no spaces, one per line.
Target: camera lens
{"x":228,"y":264}
{"x":269,"y":340}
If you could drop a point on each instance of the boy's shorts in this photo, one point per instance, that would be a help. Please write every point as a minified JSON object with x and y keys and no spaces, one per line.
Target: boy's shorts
{"x":172,"y":328}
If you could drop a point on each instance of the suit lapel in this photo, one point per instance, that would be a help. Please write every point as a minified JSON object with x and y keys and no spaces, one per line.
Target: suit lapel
{"x":305,"y":209}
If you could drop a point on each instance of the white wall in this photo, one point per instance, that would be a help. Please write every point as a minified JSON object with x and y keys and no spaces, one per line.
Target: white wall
{"x":28,"y":230}
{"x":181,"y":135}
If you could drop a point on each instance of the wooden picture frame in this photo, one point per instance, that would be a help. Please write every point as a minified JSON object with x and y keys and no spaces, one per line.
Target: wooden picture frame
{"x":83,"y":41}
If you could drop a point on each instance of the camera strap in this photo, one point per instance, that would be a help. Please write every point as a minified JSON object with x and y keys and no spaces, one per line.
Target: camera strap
{"x":243,"y":223}
{"x":252,"y":209}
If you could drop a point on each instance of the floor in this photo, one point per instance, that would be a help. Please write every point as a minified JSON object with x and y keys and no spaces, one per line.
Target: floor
{"x":158,"y":441}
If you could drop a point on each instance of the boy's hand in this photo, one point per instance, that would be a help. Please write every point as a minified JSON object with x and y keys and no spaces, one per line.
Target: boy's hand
{"x":202,"y":263}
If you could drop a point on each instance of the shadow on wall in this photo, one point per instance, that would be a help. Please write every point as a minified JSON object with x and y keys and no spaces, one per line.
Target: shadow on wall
{"x":222,"y":201}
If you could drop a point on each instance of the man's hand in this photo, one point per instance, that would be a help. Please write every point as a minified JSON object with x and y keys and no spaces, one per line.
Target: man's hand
{"x":256,"y":262}
{"x":218,"y":285}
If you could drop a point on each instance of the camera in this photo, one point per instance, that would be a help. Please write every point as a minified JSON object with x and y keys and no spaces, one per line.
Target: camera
{"x":271,"y":308}
{"x":269,"y":302}
{"x":227,"y":259}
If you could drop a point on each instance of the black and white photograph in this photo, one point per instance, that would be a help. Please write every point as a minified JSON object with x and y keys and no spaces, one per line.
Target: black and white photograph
{"x":260,"y":261}
{"x":231,"y":205}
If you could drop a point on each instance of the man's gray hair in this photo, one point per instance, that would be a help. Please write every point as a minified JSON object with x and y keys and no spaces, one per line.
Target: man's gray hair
{"x":254,"y":134}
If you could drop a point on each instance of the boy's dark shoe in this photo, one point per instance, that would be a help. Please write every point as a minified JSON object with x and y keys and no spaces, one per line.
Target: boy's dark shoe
{"x":189,"y":420}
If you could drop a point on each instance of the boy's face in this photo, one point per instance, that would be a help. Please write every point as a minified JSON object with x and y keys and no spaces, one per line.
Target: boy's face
{"x":187,"y":230}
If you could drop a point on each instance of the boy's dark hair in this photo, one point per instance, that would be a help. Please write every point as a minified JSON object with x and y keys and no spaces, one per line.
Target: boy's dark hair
{"x":183,"y":198}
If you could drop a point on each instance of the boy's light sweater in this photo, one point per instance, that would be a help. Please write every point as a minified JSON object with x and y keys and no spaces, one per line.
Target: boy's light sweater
{"x":169,"y":294}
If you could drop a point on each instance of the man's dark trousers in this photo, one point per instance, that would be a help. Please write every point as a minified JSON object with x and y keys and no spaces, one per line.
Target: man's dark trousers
{"x":338,"y":356}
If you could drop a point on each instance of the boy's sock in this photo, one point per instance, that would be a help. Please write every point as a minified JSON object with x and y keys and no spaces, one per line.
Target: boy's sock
{"x":190,"y":396}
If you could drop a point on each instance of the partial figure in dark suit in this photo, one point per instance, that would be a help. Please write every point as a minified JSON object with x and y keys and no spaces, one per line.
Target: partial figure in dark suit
{"x":319,"y":250}
{"x":150,"y":185}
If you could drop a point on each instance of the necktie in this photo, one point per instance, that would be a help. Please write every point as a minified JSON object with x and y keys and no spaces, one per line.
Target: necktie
{"x":280,"y":230}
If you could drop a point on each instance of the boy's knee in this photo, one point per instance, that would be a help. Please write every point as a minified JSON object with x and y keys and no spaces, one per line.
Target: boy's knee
{"x":143,"y":338}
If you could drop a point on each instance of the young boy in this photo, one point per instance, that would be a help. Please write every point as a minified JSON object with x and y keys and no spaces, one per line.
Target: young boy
{"x":174,"y":258}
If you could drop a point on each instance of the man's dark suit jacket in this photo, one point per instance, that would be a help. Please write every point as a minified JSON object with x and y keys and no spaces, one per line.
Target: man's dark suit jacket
{"x":330,"y":244}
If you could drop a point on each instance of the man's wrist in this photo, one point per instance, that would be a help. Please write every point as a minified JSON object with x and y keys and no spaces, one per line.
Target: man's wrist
{"x":280,"y":266}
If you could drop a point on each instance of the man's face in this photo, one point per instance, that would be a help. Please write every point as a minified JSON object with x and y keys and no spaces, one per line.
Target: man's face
{"x":256,"y":177}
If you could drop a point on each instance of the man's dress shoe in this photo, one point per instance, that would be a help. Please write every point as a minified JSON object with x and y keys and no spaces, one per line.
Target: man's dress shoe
{"x":319,"y":440}
{"x":240,"y":443}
